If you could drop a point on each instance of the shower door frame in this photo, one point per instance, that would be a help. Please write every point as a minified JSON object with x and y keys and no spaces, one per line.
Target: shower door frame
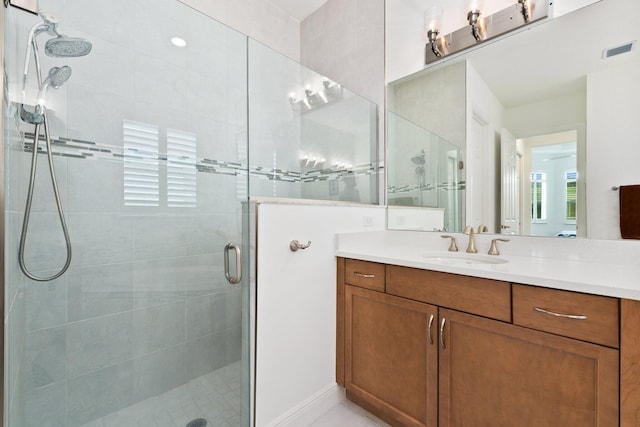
{"x":2,"y":206}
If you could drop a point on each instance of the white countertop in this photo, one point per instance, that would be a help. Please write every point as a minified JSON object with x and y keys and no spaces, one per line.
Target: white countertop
{"x":586,"y":266}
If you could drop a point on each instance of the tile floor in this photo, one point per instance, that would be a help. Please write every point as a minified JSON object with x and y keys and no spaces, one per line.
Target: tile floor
{"x":214,"y":397}
{"x":347,"y":414}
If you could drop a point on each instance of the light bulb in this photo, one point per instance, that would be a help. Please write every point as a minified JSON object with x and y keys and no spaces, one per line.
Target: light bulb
{"x":433,"y":18}
{"x":473,"y":5}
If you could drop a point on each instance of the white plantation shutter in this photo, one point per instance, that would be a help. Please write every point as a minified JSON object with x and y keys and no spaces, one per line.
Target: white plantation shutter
{"x":141,"y":180}
{"x":181,"y":169}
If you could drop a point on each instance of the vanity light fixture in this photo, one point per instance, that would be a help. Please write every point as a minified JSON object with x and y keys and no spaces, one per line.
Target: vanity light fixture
{"x":519,"y":14}
{"x":432,"y":22}
{"x":473,"y":7}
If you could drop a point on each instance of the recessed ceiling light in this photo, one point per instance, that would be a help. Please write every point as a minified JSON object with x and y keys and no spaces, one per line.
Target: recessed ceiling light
{"x":177,"y":41}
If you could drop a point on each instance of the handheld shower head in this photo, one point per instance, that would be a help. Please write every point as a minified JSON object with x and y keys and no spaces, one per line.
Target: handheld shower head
{"x":62,"y":46}
{"x":56,"y":78}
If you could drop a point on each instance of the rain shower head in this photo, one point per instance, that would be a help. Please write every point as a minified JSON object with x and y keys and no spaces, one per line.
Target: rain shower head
{"x":418,"y":160}
{"x":67,"y":47}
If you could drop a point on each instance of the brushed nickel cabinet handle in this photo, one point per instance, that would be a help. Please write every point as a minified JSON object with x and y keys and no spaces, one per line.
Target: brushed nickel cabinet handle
{"x":442,"y":333}
{"x":430,"y":333}
{"x":366,"y":276}
{"x":567,"y":316}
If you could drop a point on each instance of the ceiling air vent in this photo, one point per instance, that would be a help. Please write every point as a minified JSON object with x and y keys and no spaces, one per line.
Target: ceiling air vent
{"x":618,"y":50}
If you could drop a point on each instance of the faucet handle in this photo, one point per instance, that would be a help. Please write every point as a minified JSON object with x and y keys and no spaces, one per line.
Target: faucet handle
{"x":493,"y":250}
{"x":452,"y":247}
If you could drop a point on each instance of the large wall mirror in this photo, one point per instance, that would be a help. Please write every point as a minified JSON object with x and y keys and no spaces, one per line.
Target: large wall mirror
{"x":529,"y":134}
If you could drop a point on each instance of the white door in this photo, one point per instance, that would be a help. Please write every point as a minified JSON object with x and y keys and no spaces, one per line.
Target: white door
{"x":510,"y":200}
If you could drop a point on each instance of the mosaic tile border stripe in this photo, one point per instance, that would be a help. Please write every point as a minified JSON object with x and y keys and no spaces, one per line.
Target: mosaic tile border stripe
{"x":82,"y":149}
{"x":446,"y":186}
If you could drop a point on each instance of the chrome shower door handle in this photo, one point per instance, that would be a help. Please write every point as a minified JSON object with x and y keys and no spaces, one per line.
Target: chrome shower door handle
{"x":238,"y":277}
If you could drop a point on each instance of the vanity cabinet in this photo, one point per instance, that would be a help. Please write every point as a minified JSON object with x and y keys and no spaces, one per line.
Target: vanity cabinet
{"x":392,"y":356}
{"x":500,"y":375}
{"x":436,"y":349}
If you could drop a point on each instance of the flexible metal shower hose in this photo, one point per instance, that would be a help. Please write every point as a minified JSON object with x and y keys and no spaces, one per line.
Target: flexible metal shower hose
{"x":27,"y":209}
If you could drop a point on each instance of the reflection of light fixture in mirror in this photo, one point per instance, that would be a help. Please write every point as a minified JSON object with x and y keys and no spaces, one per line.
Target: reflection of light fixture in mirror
{"x":525,"y":9}
{"x":432,"y":21}
{"x":472,"y":8}
{"x":311,"y":99}
{"x":312,"y":162}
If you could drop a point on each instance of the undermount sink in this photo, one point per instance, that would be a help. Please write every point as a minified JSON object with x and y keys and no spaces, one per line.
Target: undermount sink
{"x":463,"y":258}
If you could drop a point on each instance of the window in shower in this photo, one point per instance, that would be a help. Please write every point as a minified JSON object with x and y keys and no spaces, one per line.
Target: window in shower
{"x":141,"y":178}
{"x":181,"y":169}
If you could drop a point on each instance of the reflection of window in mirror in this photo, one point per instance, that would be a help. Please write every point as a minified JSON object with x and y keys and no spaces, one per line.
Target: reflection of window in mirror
{"x":538,"y":197}
{"x":552,"y":166}
{"x":570,"y":196}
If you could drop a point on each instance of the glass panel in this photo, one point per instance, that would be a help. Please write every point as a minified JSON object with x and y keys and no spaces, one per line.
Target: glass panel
{"x":310,"y":138}
{"x":425,"y":188}
{"x":150,"y":149}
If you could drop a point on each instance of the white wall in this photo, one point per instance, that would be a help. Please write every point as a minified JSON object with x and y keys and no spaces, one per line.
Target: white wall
{"x":296,"y":308}
{"x":435,"y":101}
{"x":259,"y":19}
{"x":613,"y":146}
{"x":344,"y":40}
{"x":484,"y":118}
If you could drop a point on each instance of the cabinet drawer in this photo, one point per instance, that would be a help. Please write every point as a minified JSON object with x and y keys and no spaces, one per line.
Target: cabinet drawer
{"x":585,"y":317}
{"x":365,"y":274}
{"x":484,"y":297}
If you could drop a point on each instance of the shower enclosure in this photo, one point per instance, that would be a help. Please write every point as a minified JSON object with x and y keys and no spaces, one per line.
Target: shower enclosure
{"x":157,"y":148}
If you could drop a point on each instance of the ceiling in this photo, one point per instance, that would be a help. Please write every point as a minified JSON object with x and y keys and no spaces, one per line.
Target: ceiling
{"x":299,"y":9}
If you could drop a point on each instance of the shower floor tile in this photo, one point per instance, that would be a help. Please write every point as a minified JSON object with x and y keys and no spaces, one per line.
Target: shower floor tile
{"x":214,"y":397}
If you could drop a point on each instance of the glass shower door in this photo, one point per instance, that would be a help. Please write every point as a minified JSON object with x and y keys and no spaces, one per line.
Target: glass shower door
{"x":150,"y":148}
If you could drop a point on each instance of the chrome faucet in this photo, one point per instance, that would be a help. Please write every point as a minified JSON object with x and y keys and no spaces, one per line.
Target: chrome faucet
{"x":471,"y":248}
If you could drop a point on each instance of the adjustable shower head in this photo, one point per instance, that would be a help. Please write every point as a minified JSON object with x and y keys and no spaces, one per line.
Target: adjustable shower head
{"x":56,"y":78}
{"x":62,"y":46}
{"x":59,"y":46}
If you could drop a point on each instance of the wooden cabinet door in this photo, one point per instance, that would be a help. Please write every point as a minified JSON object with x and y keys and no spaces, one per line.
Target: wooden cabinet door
{"x":391,"y":357}
{"x":494,"y":374}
